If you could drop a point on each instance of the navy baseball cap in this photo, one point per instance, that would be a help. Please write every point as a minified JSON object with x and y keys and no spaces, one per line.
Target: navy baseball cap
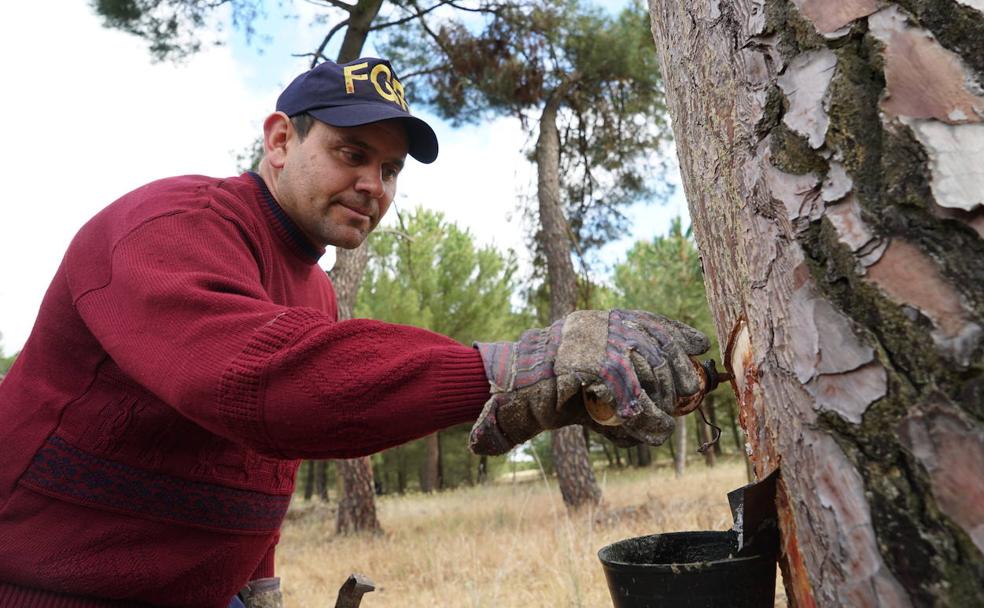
{"x":357,"y":93}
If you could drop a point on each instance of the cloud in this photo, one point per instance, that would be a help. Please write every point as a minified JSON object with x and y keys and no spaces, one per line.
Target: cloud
{"x":88,"y":117}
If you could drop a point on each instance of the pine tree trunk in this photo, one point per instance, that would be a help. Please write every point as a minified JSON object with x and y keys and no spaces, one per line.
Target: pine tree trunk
{"x":483,"y":469}
{"x":346,"y":275}
{"x":321,"y":479}
{"x":360,"y":20}
{"x":308,"y":479}
{"x":578,"y":486}
{"x":831,"y":157}
{"x":430,"y":466}
{"x":357,"y":506}
{"x":574,"y":473}
{"x":736,"y":434}
{"x":608,"y":453}
{"x":401,"y":476}
{"x":741,"y":443}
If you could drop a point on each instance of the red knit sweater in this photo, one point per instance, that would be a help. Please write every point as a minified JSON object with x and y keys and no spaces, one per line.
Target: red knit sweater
{"x":185,"y":355}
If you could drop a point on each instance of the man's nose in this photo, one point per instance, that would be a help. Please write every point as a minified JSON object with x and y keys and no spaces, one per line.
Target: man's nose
{"x":371,"y":182}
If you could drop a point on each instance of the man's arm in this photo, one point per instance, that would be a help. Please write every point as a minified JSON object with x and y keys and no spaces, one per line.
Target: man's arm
{"x":183,"y":311}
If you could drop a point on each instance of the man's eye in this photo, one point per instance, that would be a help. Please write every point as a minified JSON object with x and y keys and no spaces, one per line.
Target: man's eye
{"x":390,"y":173}
{"x":352,"y":156}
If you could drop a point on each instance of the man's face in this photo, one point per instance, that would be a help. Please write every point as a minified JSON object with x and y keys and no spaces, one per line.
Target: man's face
{"x":337,"y":183}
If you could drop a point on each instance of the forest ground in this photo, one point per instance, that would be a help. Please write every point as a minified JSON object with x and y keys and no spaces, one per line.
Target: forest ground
{"x":506,"y":544}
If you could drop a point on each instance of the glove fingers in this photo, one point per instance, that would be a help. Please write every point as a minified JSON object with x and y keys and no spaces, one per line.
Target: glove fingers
{"x":616,"y":434}
{"x":691,"y":340}
{"x":666,"y":390}
{"x":486,"y":438}
{"x":676,"y":357}
{"x":568,"y":386}
{"x":653,"y":428}
{"x":644,"y":372}
{"x":694,"y":342}
{"x":647,"y":418}
{"x":683,"y":369}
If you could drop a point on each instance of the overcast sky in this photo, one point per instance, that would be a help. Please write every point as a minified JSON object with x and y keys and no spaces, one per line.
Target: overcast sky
{"x":89,"y":117}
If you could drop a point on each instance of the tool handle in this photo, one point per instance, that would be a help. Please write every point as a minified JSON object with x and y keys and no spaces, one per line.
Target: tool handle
{"x":710,"y":379}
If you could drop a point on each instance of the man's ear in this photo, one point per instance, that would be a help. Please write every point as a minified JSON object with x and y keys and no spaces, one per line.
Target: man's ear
{"x":277,"y":131}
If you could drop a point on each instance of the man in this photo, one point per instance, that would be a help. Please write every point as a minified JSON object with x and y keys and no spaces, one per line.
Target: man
{"x":188,"y":353}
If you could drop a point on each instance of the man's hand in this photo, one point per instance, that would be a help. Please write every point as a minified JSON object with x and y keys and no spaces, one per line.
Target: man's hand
{"x":631,"y":361}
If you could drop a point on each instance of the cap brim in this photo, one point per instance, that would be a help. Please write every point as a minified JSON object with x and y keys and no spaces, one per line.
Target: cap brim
{"x":422,"y":141}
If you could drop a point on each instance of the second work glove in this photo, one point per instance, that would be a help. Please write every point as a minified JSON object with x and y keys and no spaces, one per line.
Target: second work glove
{"x":636,"y":363}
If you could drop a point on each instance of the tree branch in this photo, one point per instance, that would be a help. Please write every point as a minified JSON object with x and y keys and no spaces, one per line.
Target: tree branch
{"x":424,"y":72}
{"x":401,"y":234}
{"x":437,"y":39}
{"x":324,"y":43}
{"x":335,"y":3}
{"x":409,"y":18}
{"x":496,"y":10}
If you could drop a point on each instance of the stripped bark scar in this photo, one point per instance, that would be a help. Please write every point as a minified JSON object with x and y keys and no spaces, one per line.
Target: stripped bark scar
{"x":805,"y":84}
{"x":829,"y":17}
{"x":923,"y":79}
{"x":909,"y":277}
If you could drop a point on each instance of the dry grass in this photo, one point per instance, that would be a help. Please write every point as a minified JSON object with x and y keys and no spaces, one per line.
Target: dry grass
{"x":503,"y":545}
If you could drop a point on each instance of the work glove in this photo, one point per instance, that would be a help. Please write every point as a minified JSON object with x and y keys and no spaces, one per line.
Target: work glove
{"x":634,"y":365}
{"x":262,"y":593}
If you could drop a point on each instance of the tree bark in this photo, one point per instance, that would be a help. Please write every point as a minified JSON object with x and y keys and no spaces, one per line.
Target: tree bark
{"x":555,"y":238}
{"x":430,"y":467}
{"x":308,"y":479}
{"x":360,"y":20}
{"x":483,"y":469}
{"x":575,"y":476}
{"x":357,"y":506}
{"x":401,"y":474}
{"x":578,"y":486}
{"x":737,"y":435}
{"x":830,"y":155}
{"x":321,"y":478}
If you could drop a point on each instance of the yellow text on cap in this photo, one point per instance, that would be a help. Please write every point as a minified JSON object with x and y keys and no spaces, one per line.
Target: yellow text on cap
{"x":351,"y":76}
{"x":388,"y":88}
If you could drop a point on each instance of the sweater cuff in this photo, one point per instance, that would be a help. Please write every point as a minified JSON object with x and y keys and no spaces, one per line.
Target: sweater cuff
{"x":463,"y":387}
{"x":265,"y":568}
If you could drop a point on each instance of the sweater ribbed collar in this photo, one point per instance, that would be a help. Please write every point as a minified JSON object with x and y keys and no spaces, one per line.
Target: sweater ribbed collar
{"x":285,"y":227}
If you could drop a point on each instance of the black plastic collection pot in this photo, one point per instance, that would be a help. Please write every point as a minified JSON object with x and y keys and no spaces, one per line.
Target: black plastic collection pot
{"x":687,"y":569}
